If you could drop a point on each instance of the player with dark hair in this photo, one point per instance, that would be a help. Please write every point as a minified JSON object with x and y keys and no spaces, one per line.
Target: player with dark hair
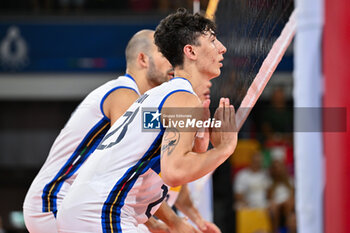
{"x":122,"y":184}
{"x":196,"y":55}
{"x":181,"y":29}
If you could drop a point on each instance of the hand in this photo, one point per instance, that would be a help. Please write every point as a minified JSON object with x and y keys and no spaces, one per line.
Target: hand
{"x":183,"y":226}
{"x":210,"y":228}
{"x":206,"y":227}
{"x":225,"y":137}
{"x":201,"y":141}
{"x":160,"y":228}
{"x":156,"y":226}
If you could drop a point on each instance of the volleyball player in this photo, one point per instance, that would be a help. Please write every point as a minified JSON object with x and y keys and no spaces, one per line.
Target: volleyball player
{"x":146,"y":68}
{"x":120,"y":185}
{"x":180,"y":196}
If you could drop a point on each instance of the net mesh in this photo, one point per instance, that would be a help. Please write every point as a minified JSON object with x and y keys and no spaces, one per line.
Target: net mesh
{"x":248,"y":29}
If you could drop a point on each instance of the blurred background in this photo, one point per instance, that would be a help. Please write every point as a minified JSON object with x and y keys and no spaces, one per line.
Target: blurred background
{"x":54,"y":52}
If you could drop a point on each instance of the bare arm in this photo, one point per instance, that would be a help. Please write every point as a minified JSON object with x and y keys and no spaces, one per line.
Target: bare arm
{"x":186,"y":206}
{"x":174,"y":222}
{"x":179,"y":163}
{"x":118,"y":102}
{"x":156,"y":226}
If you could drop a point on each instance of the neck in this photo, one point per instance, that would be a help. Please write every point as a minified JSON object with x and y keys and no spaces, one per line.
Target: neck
{"x":191,"y":75}
{"x":141,"y":80}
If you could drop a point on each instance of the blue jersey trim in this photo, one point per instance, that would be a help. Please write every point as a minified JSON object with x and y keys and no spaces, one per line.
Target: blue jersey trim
{"x":124,"y":185}
{"x":155,"y":165}
{"x":109,"y":92}
{"x":129,"y":76}
{"x":165,"y":98}
{"x":51,"y":189}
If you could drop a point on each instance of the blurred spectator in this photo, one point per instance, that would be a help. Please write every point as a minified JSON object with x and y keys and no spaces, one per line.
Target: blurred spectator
{"x":277,"y":129}
{"x":251,"y":184}
{"x":277,"y":119}
{"x":281,"y":198}
{"x":282,"y":151}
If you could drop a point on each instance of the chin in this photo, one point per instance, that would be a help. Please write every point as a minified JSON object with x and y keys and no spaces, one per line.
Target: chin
{"x":215,"y":75}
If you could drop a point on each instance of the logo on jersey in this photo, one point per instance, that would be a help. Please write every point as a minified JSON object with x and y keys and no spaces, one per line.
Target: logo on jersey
{"x":151,"y":119}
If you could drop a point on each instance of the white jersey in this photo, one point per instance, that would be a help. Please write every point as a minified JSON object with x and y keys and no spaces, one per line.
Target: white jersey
{"x":171,"y":198}
{"x":120,"y":184}
{"x":172,"y":195}
{"x":76,"y":141}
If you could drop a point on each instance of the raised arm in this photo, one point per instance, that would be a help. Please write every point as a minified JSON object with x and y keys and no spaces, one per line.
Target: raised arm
{"x":179,"y":163}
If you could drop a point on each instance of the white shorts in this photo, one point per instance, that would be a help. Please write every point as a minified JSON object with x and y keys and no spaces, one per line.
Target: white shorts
{"x":40,"y":222}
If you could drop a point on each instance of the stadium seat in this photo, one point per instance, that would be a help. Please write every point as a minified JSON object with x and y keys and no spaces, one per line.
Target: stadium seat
{"x":253,"y":221}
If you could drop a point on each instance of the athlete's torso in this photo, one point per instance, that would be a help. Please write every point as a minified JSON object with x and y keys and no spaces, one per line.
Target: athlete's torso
{"x":122,"y":179}
{"x":76,"y":141}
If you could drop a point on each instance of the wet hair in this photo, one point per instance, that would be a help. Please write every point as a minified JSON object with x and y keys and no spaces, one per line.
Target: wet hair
{"x":179,"y":29}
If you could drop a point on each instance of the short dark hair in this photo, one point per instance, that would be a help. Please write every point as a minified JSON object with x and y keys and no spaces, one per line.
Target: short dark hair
{"x":179,"y":29}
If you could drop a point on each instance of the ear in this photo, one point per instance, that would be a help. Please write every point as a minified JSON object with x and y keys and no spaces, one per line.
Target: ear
{"x":190,"y":52}
{"x":143,"y":60}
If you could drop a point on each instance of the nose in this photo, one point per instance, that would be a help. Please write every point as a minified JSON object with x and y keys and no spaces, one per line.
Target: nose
{"x":170,"y":67}
{"x":222,"y":48}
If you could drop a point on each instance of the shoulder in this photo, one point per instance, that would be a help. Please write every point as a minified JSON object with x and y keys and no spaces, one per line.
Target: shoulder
{"x":182,"y":99}
{"x":122,"y":94}
{"x":118,"y":102}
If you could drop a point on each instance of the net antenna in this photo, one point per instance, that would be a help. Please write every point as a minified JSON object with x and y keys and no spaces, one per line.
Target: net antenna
{"x":211,"y":9}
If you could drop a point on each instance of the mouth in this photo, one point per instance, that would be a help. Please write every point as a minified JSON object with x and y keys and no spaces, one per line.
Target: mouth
{"x":220,"y":62}
{"x":207,"y":95}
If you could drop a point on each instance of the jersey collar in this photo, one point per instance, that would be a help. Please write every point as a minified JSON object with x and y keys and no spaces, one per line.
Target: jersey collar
{"x":129,"y":76}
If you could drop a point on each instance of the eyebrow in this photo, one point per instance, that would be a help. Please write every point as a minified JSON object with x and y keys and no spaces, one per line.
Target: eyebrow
{"x":212,"y":33}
